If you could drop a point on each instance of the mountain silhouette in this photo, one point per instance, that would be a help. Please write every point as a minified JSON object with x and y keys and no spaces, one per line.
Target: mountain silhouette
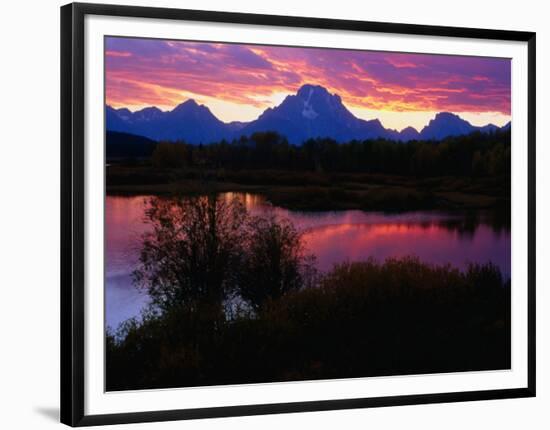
{"x":446,"y":124}
{"x":314,"y":112}
{"x":188,"y":121}
{"x":310,"y":113}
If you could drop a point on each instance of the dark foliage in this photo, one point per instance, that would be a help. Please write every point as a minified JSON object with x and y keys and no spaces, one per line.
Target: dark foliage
{"x":365,"y":319}
{"x":275,"y":261}
{"x":203,"y":250}
{"x":190,"y":255}
{"x":465,"y":172}
{"x":168,"y":155}
{"x":478,"y":154}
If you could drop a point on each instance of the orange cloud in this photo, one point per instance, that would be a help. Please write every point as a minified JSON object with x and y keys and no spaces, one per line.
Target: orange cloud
{"x":142,"y":72}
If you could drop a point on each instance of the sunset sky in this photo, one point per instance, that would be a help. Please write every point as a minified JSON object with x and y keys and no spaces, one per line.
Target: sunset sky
{"x":238,"y":82}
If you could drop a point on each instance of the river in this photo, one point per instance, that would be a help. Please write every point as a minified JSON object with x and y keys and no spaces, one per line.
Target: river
{"x":333,"y":236}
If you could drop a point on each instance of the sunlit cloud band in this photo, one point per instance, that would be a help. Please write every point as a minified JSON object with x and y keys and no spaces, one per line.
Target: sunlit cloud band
{"x":238,"y":82}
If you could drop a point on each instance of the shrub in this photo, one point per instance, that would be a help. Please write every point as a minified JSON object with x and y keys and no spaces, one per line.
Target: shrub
{"x":363,"y":319}
{"x":275,"y":260}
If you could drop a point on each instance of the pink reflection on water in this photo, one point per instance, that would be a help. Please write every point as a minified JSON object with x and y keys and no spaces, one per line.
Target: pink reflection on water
{"x":333,"y":236}
{"x":431,"y":243}
{"x":124,"y":224}
{"x":123,"y":228}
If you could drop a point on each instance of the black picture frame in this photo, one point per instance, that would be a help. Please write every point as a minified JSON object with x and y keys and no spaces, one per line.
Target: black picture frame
{"x":72,"y":212}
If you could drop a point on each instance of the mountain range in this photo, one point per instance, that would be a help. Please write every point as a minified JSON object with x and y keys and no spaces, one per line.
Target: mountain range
{"x":312,"y":112}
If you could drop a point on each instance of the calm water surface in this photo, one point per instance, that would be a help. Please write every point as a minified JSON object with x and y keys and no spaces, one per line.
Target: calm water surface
{"x":333,"y":237}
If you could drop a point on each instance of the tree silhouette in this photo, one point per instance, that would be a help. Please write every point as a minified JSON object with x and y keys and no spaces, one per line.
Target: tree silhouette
{"x":275,"y":261}
{"x":481,"y":154}
{"x":202,"y":250}
{"x":191,"y":254}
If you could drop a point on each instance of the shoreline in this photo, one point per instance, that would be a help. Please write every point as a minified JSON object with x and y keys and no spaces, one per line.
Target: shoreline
{"x":310,"y":191}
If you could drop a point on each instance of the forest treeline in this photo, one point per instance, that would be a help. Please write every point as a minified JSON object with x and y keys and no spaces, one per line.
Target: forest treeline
{"x":476,"y":154}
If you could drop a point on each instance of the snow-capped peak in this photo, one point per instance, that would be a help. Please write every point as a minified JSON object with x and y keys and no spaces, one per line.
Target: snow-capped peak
{"x":308,"y":111}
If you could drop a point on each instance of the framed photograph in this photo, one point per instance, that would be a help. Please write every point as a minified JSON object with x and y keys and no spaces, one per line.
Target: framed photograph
{"x":269,"y":214}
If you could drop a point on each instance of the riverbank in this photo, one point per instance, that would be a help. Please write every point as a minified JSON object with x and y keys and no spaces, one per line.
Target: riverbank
{"x":364,"y":319}
{"x":314,"y":191}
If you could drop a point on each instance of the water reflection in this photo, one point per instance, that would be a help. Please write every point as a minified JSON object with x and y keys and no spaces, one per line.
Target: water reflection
{"x":333,"y":236}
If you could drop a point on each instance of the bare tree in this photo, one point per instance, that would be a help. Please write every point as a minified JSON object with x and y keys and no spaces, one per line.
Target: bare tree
{"x":191,"y":255}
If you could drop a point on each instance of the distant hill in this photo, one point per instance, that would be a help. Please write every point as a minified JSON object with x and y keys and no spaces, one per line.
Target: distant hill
{"x":125,"y":145}
{"x":312,"y":112}
{"x":188,"y":121}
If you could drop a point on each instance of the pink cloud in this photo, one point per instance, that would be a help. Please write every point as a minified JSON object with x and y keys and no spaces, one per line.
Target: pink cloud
{"x":143,"y":71}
